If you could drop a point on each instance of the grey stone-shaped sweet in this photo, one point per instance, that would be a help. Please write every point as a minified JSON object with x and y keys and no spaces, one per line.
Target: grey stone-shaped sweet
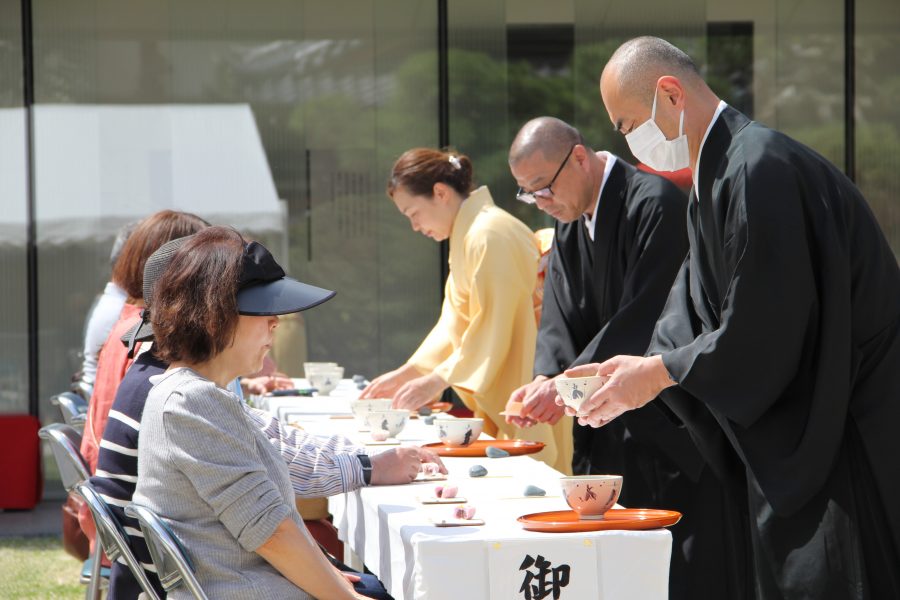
{"x":494,"y":452}
{"x":477,"y":471}
{"x":429,"y":420}
{"x":533,"y":490}
{"x":361,"y":385}
{"x":425,"y":411}
{"x":358,"y":379}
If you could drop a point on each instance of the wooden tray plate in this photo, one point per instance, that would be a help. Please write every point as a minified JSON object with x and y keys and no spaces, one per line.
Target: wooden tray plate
{"x":567,"y":521}
{"x":479,"y":447}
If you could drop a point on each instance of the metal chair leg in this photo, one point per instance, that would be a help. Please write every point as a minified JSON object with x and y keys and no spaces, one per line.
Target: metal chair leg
{"x":94,"y":588}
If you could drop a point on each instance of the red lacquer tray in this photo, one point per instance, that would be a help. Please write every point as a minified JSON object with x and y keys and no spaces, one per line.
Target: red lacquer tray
{"x":567,"y":521}
{"x":479,"y":447}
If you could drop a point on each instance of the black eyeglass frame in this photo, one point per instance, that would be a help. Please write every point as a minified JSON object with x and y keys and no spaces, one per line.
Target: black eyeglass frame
{"x":547,"y":190}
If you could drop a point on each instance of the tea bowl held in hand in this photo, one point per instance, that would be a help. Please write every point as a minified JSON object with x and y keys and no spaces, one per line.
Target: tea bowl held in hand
{"x":391,"y":422}
{"x":459,"y":432}
{"x":575,"y":390}
{"x":591,"y":495}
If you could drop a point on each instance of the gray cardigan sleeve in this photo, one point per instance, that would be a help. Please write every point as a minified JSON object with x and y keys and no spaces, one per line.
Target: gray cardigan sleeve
{"x":213,"y":444}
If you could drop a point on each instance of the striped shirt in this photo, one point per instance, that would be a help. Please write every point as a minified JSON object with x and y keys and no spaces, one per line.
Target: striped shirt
{"x":317,"y":467}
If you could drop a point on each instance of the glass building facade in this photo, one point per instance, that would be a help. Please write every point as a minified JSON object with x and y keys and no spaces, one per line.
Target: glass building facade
{"x":282,"y":118}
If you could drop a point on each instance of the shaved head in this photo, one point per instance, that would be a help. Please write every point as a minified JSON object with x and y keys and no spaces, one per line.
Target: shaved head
{"x":549,"y":135}
{"x":638,"y":64}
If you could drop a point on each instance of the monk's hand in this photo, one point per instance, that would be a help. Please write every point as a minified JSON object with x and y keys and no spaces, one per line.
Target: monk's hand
{"x":633,"y":382}
{"x":514,"y":405}
{"x":419,"y":392}
{"x":588,"y":370}
{"x":539,"y":403}
{"x":386,"y":385}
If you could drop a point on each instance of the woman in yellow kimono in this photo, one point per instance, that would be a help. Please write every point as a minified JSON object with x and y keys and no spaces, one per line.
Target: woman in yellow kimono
{"x":483,"y":344}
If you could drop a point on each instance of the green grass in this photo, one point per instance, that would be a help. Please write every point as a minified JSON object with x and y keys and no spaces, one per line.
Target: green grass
{"x":38,"y":568}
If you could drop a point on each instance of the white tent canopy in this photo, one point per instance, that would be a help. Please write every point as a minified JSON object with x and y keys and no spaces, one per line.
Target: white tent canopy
{"x":97,"y":166}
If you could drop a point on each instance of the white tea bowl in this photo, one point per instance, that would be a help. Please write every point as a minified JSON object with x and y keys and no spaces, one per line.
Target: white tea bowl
{"x":361,"y":408}
{"x":575,"y":390}
{"x":391,"y":422}
{"x":459,"y":432}
{"x":312,"y":367}
{"x":325,"y":379}
{"x":591,"y":495}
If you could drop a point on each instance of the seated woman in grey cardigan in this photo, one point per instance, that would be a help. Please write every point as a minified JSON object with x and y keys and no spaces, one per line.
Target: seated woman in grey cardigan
{"x":204,"y":467}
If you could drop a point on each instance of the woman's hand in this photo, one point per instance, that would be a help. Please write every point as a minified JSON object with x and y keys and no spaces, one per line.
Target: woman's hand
{"x":297,"y":557}
{"x":265,"y":384}
{"x":386,"y":385}
{"x":419,"y":392}
{"x":351,"y":577}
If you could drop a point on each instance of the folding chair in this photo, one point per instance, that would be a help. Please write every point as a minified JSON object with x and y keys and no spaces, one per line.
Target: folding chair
{"x":65,"y":443}
{"x":112,"y":537}
{"x":73,"y":408}
{"x":173,"y":564}
{"x":82,"y":389}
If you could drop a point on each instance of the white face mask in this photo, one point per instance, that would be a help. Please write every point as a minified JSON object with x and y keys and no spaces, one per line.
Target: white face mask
{"x":650,"y":146}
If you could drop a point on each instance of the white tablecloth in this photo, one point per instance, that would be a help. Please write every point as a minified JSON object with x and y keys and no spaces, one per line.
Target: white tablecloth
{"x":389,"y":529}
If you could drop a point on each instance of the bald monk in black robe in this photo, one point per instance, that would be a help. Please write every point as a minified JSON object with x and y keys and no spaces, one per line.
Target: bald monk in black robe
{"x":619,"y":240}
{"x":780,"y":342}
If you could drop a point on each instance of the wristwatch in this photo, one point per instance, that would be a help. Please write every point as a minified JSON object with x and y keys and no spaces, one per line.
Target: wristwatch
{"x":366,"y":463}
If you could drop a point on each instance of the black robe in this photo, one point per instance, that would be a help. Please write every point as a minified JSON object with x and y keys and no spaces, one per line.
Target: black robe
{"x":783,"y":332}
{"x":602,"y":298}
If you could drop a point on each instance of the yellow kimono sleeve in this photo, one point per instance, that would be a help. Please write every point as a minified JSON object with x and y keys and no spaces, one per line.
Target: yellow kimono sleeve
{"x":436,"y":347}
{"x":498,"y":289}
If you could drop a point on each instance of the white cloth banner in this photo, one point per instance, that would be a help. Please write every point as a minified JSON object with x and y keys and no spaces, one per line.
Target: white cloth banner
{"x":539,"y":569}
{"x":392,"y":533}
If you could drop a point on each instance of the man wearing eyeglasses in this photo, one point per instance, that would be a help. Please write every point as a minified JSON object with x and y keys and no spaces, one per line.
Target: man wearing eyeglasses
{"x":620,"y":239}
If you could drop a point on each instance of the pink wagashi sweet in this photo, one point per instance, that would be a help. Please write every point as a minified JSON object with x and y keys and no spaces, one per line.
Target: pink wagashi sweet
{"x":430,"y":468}
{"x":449,"y":491}
{"x":464,"y":511}
{"x":379,"y":436}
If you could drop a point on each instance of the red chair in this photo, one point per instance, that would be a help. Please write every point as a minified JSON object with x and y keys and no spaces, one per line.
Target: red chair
{"x":325,"y":533}
{"x":20,"y":462}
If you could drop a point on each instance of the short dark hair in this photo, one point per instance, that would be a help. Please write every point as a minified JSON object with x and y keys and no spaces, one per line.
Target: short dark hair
{"x":195,"y":310}
{"x":417,"y":171}
{"x":147,"y":237}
